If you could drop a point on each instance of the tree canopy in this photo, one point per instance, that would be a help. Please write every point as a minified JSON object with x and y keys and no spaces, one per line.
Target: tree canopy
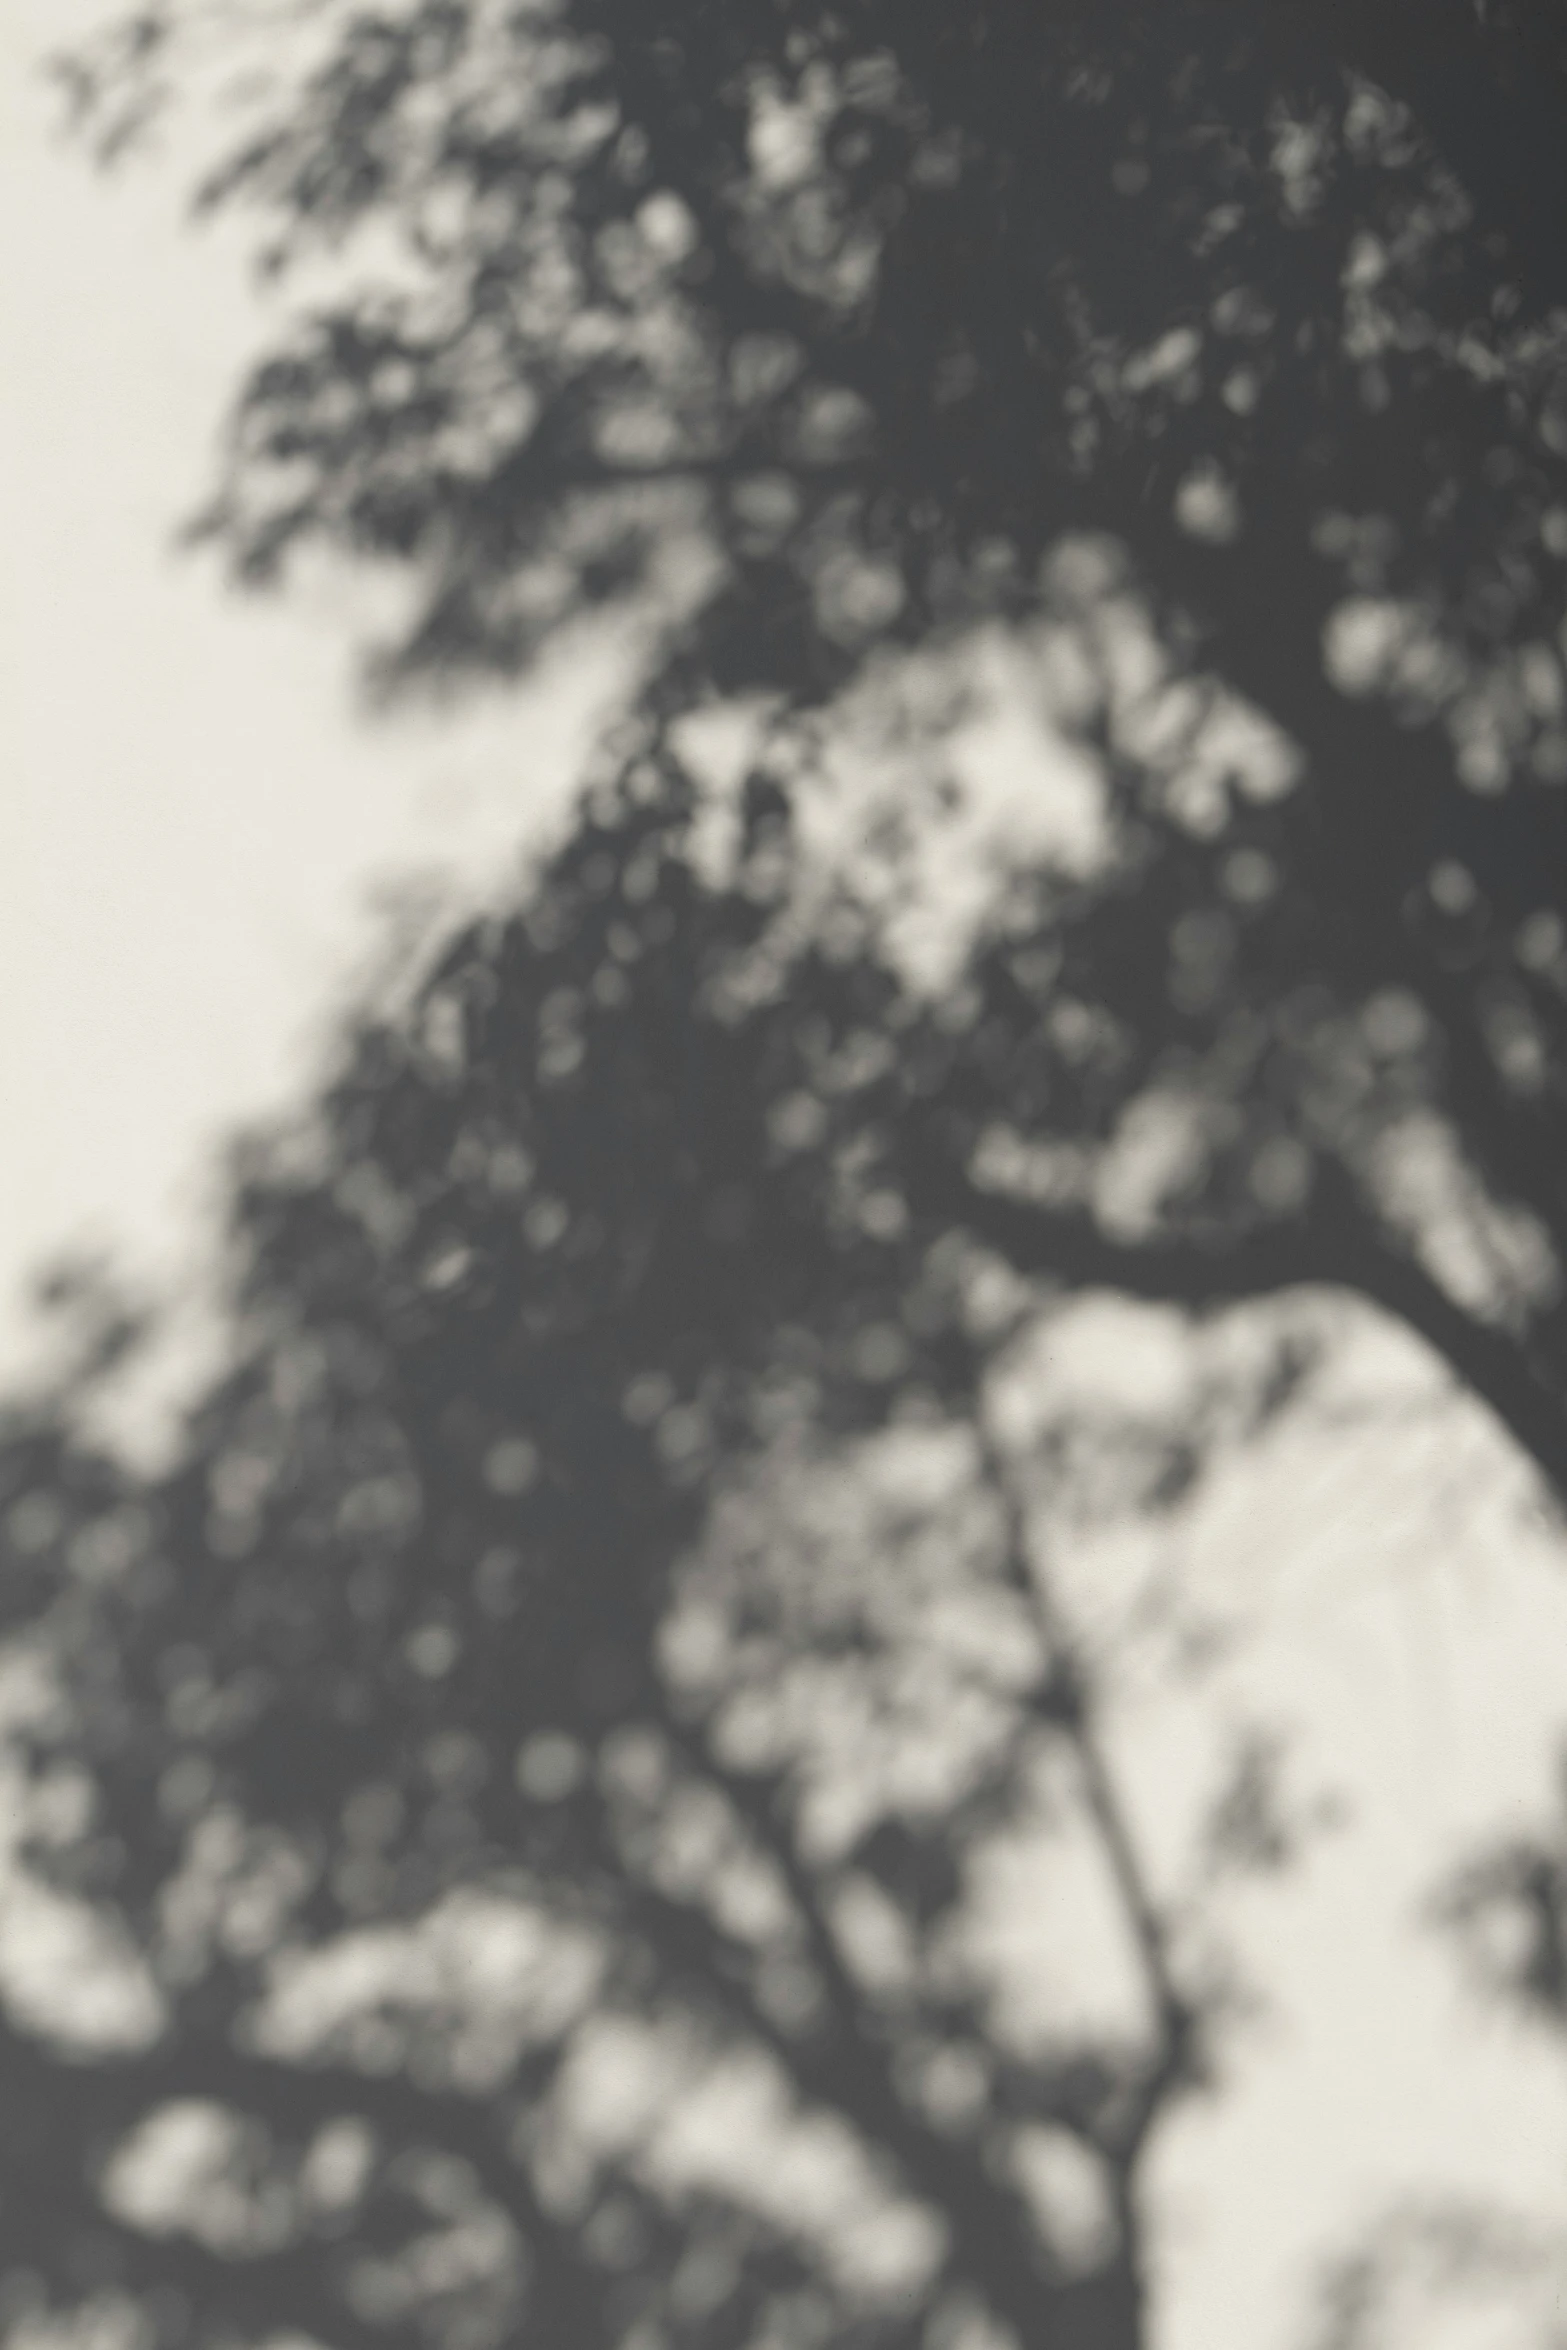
{"x":552,"y":1741}
{"x":845,"y":332}
{"x":575,"y":1656}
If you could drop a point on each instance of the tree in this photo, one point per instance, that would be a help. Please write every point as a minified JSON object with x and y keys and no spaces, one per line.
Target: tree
{"x":1229,"y":333}
{"x":580,"y":1668}
{"x":610,"y":1558}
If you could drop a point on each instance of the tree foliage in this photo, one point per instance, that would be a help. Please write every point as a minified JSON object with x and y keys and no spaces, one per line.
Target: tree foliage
{"x":549,"y":1741}
{"x":845,"y":332}
{"x":597,"y":1644}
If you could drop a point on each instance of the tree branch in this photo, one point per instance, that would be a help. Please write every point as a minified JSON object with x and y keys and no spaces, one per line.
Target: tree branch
{"x":1172,"y":2013}
{"x":102,"y":2099}
{"x":992,"y":2239}
{"x":1335,"y":1245}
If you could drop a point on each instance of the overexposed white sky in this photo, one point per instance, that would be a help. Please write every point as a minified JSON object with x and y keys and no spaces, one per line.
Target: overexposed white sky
{"x":191,"y":818}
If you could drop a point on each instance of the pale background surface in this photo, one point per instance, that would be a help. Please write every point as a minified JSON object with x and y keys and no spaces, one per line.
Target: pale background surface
{"x":190,"y":819}
{"x":190,"y":822}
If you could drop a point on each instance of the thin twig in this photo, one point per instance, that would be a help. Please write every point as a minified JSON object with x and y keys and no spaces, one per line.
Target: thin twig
{"x":1062,"y":1697}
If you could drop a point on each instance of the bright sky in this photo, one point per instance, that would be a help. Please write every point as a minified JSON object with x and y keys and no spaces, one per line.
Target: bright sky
{"x":190,"y":822}
{"x":191,"y":819}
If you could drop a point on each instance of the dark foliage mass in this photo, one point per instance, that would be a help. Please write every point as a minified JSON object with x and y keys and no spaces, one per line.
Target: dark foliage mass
{"x":601,"y":1554}
{"x":851,"y":329}
{"x":595,"y":1638}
